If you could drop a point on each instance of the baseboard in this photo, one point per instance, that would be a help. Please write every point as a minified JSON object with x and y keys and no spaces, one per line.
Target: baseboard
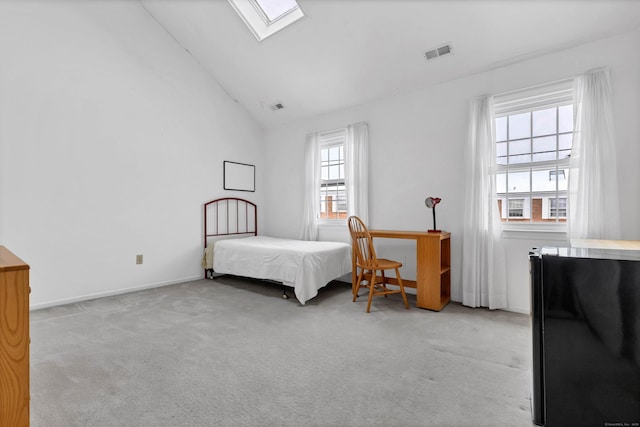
{"x":412,"y":291}
{"x":518,"y":310}
{"x":96,"y":295}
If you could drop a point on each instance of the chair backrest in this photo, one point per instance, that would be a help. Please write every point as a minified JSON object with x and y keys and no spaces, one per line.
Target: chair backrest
{"x":362,"y":243}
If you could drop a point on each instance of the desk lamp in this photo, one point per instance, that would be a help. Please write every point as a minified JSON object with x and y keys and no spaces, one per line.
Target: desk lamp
{"x":431,"y":203}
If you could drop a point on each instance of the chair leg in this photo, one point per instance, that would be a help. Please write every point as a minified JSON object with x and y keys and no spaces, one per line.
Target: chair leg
{"x":404,"y":296}
{"x":358,"y":285}
{"x":355,"y":292}
{"x":358,"y":281}
{"x":384,"y":282}
{"x":372,"y":286}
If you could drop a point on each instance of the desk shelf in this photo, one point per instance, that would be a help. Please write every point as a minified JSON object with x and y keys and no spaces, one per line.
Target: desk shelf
{"x":435,"y":256}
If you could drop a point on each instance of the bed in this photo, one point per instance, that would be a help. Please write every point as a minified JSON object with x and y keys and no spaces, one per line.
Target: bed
{"x":233,"y":246}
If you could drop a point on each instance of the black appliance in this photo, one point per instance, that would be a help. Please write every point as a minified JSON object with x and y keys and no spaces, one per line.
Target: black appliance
{"x":585,"y":317}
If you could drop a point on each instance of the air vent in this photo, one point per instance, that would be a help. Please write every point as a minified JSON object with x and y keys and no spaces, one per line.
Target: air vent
{"x":438,"y":52}
{"x":277,"y":106}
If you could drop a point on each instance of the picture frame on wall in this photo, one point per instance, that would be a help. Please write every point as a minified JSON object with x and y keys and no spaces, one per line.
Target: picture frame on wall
{"x":239,"y":176}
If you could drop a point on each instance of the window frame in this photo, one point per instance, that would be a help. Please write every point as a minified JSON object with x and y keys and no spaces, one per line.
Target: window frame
{"x":328,"y":140}
{"x":261,"y":10}
{"x":531,"y":100}
{"x":257,"y":21}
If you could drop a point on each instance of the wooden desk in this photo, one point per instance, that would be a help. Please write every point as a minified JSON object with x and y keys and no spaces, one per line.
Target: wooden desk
{"x":433,"y":276}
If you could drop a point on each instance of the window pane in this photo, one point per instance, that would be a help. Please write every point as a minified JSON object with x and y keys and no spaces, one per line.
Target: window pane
{"x":501,"y":161}
{"x":501,"y":129}
{"x":501,"y":183}
{"x":523,"y":158}
{"x":334,"y":172}
{"x":564,"y":154}
{"x":325,"y":173}
{"x":333,"y":201}
{"x":519,"y":147}
{"x":544,"y":122}
{"x":501,"y":149}
{"x":547,"y":143}
{"x":520,"y":126}
{"x":542,"y":157}
{"x":565,"y":118}
{"x":563,"y":180}
{"x":518,"y":182}
{"x":324,"y":154}
{"x":334,"y":154}
{"x":342,"y":199}
{"x":565,"y":142}
{"x":543,"y":180}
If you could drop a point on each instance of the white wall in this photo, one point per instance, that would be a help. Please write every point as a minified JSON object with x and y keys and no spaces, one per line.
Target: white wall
{"x":111,"y":138}
{"x":417,"y":146}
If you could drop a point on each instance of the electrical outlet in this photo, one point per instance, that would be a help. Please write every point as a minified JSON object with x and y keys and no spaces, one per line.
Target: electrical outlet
{"x":138,"y":259}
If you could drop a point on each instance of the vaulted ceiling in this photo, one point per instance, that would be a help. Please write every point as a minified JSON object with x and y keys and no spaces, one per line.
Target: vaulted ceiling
{"x":349,"y":52}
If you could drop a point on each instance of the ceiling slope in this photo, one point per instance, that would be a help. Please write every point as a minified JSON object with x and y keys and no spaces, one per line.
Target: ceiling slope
{"x":349,"y":52}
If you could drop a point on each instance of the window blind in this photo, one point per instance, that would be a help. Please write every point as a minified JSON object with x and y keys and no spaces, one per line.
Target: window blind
{"x":541,"y":96}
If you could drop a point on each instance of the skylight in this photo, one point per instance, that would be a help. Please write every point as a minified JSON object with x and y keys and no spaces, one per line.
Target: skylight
{"x":266,"y":17}
{"x":276,"y":9}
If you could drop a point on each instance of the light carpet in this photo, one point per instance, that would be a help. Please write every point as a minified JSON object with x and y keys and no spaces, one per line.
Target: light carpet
{"x":232,"y":352}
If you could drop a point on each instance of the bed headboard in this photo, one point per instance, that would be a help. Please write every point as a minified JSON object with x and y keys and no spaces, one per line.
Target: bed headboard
{"x":229,"y":216}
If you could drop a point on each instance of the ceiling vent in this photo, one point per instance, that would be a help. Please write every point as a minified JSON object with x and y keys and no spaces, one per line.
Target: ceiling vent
{"x":438,"y":52}
{"x":277,"y":106}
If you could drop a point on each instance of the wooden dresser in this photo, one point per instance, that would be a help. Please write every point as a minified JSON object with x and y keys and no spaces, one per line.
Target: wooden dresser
{"x":14,"y":340}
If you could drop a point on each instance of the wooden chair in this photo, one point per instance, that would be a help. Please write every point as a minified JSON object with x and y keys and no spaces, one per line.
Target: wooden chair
{"x":369,"y":265}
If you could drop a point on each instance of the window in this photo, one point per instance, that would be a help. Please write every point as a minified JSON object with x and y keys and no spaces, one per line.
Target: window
{"x":558,"y":208}
{"x":534,"y":135}
{"x":272,"y":10}
{"x":555,"y":174}
{"x":266,"y":17}
{"x":333,"y":195}
{"x":336,"y":181}
{"x":516,"y":208}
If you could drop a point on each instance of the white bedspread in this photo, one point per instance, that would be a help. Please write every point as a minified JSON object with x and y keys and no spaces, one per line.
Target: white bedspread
{"x":305,"y":266}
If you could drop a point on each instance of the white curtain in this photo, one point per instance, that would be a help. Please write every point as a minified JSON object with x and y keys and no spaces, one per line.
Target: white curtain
{"x":483,"y":258}
{"x":357,"y":170}
{"x":594,"y":210}
{"x":311,"y":189}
